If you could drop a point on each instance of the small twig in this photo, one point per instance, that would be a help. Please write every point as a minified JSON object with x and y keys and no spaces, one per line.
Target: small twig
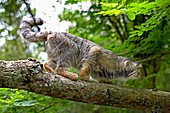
{"x":45,"y":108}
{"x":30,"y":12}
{"x":159,"y":56}
{"x":147,"y":59}
{"x":116,"y":27}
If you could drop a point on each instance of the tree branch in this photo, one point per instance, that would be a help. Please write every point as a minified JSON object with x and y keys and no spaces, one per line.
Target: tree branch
{"x":28,"y":75}
{"x":116,"y":27}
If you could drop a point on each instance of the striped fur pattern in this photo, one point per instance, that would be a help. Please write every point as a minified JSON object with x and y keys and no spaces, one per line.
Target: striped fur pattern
{"x":66,"y":50}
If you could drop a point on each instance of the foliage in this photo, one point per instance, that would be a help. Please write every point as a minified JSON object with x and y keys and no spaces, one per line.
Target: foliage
{"x":12,"y":47}
{"x":17,"y":101}
{"x":138,"y":29}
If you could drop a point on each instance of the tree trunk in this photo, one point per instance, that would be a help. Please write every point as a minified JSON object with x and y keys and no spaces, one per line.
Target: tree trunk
{"x":29,"y":75}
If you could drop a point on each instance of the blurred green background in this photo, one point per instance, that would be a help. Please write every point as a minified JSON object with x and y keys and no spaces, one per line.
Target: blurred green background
{"x":137,"y":29}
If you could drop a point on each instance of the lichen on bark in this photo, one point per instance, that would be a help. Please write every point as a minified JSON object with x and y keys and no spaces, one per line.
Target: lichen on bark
{"x":29,"y":75}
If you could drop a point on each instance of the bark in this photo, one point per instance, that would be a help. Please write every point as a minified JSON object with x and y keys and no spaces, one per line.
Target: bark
{"x":28,"y":75}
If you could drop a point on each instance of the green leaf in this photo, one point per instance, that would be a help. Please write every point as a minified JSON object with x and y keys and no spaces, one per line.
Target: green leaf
{"x":120,"y":6}
{"x":114,"y":4}
{"x":110,"y":12}
{"x":26,"y":103}
{"x":131,"y":15}
{"x":109,"y":5}
{"x":138,"y":27}
{"x":117,"y":12}
{"x":140,"y":33}
{"x":7,"y":101}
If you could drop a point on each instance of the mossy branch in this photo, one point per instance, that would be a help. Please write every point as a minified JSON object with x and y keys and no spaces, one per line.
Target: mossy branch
{"x":29,"y":75}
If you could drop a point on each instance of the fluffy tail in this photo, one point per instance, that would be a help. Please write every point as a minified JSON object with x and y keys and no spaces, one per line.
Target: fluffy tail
{"x":27,"y":33}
